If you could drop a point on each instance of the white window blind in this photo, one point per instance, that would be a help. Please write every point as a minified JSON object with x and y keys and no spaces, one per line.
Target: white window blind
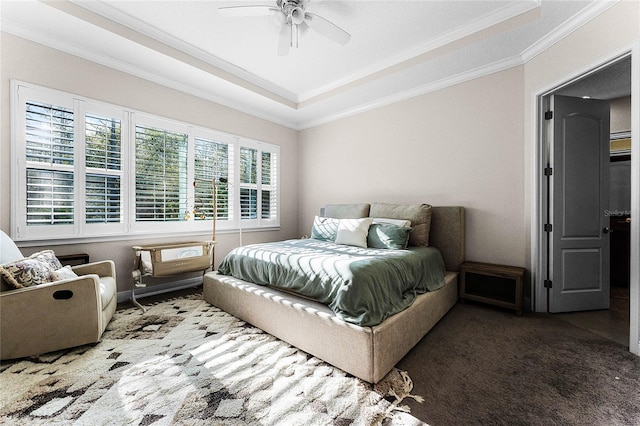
{"x":103,"y":137}
{"x":259,"y":184}
{"x":269,"y":180}
{"x":103,"y":161}
{"x":211,"y":162}
{"x":161,"y":175}
{"x":87,"y":169}
{"x":49,"y":197}
{"x":103,"y":199}
{"x":248,"y":183}
{"x":49,"y":133}
{"x":49,"y":151}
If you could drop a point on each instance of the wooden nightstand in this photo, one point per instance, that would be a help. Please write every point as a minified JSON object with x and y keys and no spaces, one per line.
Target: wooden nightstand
{"x":498,"y":285}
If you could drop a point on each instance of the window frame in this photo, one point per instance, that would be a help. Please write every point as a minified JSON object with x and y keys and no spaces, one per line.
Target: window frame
{"x":129,"y":119}
{"x":106,"y":228}
{"x":19,"y":208}
{"x":260,"y":147}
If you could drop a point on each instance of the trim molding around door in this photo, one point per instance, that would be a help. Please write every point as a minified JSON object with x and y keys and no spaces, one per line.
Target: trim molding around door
{"x":538,"y":200}
{"x":634,"y":285}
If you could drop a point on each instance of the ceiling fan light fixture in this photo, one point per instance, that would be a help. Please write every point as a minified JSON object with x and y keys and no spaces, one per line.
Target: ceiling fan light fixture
{"x":297,"y":15}
{"x":293,"y":20}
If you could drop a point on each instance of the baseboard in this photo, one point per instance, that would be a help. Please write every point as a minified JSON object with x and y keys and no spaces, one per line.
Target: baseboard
{"x":527,"y":305}
{"x":152,"y":290}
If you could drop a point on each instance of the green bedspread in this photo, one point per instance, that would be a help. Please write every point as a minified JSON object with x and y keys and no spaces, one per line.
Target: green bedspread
{"x":362,"y":286}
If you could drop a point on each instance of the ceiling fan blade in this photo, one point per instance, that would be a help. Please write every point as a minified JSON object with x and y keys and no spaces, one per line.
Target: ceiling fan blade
{"x":284,"y":40}
{"x":327,"y":28}
{"x":279,"y":17}
{"x":303,"y":28}
{"x":252,"y":10}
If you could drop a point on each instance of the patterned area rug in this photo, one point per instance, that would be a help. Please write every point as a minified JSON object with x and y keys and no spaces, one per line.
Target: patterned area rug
{"x":186,"y":362}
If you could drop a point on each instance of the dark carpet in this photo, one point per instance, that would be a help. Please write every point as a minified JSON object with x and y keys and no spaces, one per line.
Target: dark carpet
{"x":485,"y":366}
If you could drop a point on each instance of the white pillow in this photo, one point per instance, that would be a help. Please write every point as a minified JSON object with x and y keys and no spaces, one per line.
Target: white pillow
{"x":63,"y":274}
{"x":353,"y":232}
{"x":400,"y":222}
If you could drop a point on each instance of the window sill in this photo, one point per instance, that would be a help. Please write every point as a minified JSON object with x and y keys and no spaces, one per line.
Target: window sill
{"x":53,"y":241}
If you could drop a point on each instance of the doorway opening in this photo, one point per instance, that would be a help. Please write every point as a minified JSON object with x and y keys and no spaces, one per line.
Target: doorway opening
{"x":611,"y":82}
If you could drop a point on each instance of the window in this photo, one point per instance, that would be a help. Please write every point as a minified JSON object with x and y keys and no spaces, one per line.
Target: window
{"x":212,"y":162}
{"x":103,"y":162}
{"x":268,"y":192}
{"x":248,"y":184}
{"x":258,"y":183}
{"x":49,"y":164}
{"x":161,"y":175}
{"x":93,"y":169}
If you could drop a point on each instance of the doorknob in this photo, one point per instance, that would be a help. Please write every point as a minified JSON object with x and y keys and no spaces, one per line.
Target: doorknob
{"x":606,"y":230}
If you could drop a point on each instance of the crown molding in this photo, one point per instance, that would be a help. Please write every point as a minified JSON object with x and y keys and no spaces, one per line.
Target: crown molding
{"x":101,"y":8}
{"x":476,"y":26}
{"x":58,"y":44}
{"x":131,"y":34}
{"x":473,"y":74}
{"x":271,"y":109}
{"x":48,"y":40}
{"x":567,"y":27}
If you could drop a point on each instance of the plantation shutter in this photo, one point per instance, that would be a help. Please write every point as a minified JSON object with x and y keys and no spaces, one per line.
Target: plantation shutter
{"x":268,"y":188}
{"x":161,"y":174}
{"x":84,"y":170}
{"x":211,"y":162}
{"x":49,"y":148}
{"x":103,"y":183}
{"x":248,"y":183}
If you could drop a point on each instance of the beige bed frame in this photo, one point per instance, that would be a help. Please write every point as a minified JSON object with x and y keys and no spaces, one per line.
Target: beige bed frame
{"x":365,"y":352}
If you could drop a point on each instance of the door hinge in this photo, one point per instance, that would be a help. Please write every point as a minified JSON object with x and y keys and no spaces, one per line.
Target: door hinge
{"x":548,"y":171}
{"x":548,"y":284}
{"x":548,"y":227}
{"x":548,"y":115}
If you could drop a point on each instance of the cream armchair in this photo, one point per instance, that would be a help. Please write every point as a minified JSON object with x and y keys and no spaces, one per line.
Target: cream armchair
{"x":55,"y":315}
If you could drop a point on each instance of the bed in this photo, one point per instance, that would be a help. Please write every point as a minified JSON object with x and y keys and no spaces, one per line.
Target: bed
{"x":366,"y":347}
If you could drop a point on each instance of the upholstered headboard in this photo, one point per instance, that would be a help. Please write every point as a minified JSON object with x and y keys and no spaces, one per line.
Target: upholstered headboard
{"x":447,"y":234}
{"x":447,"y":230}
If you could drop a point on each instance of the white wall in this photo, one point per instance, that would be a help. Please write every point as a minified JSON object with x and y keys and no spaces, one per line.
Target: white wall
{"x":458,"y":146}
{"x":31,"y":62}
{"x":470,"y":145}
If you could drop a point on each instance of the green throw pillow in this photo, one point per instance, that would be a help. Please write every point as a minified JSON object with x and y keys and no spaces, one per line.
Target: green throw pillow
{"x":325,"y":228}
{"x":388,"y":236}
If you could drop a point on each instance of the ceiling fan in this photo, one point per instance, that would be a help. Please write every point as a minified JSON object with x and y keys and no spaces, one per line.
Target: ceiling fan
{"x":293,"y":19}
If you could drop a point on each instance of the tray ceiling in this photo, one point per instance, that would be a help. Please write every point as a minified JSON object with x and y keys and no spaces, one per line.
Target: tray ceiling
{"x":398,"y":49}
